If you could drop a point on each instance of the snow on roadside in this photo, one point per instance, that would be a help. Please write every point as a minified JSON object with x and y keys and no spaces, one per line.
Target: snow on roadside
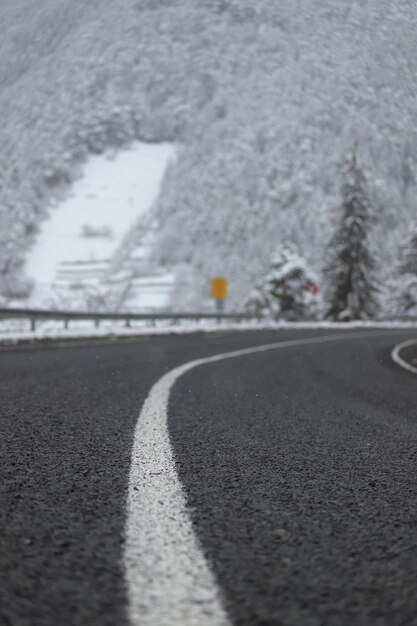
{"x":16,"y":331}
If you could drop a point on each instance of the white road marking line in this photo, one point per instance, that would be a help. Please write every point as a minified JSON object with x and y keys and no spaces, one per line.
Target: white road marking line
{"x":395,"y":355}
{"x":168,"y":578}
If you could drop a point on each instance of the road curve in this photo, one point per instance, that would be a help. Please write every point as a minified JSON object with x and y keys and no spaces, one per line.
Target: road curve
{"x":298,"y":468}
{"x":300,"y":472}
{"x":404,"y":355}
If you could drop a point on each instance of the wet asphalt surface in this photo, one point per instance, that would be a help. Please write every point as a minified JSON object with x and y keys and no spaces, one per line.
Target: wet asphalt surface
{"x":299,"y":467}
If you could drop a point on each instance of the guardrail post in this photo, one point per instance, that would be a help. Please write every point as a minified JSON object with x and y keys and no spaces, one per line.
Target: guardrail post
{"x":66,"y":323}
{"x":127,"y":323}
{"x":32,"y":324}
{"x":96,"y":322}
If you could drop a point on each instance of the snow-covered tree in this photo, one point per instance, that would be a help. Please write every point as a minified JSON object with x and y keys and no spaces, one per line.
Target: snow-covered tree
{"x":406,"y":297}
{"x":350,"y":271}
{"x":408,"y":263}
{"x":288,"y":290}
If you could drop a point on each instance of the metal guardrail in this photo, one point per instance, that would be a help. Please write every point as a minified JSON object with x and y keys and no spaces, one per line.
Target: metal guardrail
{"x":34,"y":315}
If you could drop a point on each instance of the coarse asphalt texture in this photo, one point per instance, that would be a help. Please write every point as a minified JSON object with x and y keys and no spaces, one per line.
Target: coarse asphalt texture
{"x":299,"y":467}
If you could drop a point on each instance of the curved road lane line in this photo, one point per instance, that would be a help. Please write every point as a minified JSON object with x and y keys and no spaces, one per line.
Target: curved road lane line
{"x":168,"y":579}
{"x":395,"y":355}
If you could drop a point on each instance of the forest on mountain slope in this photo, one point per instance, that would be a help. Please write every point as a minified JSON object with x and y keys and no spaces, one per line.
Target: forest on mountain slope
{"x":263,"y":101}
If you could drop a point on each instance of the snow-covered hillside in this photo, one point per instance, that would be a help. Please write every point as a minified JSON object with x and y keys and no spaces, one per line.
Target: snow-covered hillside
{"x":265,"y":99}
{"x":72,"y":260}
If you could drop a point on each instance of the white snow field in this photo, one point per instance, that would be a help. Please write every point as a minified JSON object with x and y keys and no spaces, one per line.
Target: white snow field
{"x":72,"y":255}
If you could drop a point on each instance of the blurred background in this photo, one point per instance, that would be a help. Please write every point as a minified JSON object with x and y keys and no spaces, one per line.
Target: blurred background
{"x":149,"y":145}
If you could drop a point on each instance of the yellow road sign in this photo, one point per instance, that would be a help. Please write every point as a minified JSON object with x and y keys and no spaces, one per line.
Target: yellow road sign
{"x":219,"y":288}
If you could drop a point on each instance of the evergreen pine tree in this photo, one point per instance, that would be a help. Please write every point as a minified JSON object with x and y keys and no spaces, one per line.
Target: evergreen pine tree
{"x":350,"y":272}
{"x":407,"y":277}
{"x":286,"y":290}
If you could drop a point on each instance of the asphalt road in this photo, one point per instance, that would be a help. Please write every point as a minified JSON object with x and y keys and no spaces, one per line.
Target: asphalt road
{"x":299,"y":467}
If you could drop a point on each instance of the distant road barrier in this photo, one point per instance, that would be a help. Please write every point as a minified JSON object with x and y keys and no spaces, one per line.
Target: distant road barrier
{"x":34,"y":315}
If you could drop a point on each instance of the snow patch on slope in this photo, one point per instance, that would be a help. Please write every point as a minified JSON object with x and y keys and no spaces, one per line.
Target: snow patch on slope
{"x":77,"y":244}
